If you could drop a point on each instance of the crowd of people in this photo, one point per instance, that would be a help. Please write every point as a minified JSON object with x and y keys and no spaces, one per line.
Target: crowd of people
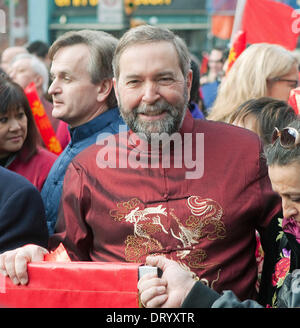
{"x":152,"y":170}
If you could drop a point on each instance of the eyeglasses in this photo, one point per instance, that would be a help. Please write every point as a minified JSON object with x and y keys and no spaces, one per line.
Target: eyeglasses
{"x":289,"y":137}
{"x":295,"y":82}
{"x":211,"y":61}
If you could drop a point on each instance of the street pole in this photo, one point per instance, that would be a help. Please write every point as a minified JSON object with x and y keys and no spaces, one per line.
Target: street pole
{"x":11,"y":22}
{"x":238,"y":17}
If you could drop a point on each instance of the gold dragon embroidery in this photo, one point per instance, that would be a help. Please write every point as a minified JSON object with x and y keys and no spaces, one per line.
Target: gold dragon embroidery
{"x":204,"y":221}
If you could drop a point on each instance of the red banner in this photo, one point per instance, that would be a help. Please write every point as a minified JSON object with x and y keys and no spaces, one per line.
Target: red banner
{"x":42,"y":121}
{"x":74,"y":285}
{"x":294,"y":100}
{"x":238,"y":46}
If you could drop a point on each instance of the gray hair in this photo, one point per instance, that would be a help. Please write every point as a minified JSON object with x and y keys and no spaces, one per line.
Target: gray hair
{"x":101,"y":46}
{"x":277,"y":155}
{"x":147,"y":34}
{"x":37,"y":66}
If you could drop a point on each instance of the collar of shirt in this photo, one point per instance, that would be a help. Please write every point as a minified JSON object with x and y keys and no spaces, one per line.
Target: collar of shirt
{"x":96,"y":124}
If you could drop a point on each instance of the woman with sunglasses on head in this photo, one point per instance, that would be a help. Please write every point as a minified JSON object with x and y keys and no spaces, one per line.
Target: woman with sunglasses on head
{"x":177,"y":287}
{"x":261,"y":116}
{"x":19,"y":139}
{"x":262,"y":70}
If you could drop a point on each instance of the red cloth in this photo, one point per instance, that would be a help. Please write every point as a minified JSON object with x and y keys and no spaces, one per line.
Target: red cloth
{"x":294,"y":100}
{"x":207,"y":224}
{"x":269,"y":21}
{"x":48,"y":106}
{"x":63,"y":134}
{"x":41,"y":119}
{"x":74,"y":285}
{"x":36,"y":169}
{"x":221,"y":26}
{"x":238,"y":46}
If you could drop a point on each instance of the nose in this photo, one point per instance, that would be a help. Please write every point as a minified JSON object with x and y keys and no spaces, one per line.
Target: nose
{"x":54,"y":88}
{"x":288,"y":208}
{"x":14,"y":125}
{"x":12,"y":74}
{"x":150,"y":93}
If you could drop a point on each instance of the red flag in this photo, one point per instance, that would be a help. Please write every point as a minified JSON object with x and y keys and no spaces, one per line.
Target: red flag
{"x":204,"y":64}
{"x":58,"y":255}
{"x":238,"y":46}
{"x":294,"y":100}
{"x":221,"y":26}
{"x":41,"y":119}
{"x":269,"y":21}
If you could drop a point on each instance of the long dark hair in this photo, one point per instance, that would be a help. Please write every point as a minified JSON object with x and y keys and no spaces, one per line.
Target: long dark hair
{"x":12,"y":97}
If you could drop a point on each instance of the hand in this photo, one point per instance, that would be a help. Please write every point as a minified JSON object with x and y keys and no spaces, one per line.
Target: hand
{"x":14,"y":263}
{"x":168,"y":291}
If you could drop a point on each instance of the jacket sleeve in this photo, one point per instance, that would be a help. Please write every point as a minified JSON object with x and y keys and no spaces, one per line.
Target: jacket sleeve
{"x":71,"y":228}
{"x":22,"y":219}
{"x":202,"y":296}
{"x":289,"y":293}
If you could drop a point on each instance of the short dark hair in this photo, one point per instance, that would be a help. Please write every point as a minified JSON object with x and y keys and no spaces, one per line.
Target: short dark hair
{"x":38,"y":48}
{"x":277,"y":155}
{"x":12,"y":97}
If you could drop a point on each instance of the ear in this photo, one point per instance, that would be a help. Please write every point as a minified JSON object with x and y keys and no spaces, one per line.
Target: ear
{"x":38,"y":81}
{"x":104,"y":90}
{"x":189,"y":81}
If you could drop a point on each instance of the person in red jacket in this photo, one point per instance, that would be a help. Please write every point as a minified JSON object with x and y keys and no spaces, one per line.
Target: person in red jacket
{"x":19,"y":139}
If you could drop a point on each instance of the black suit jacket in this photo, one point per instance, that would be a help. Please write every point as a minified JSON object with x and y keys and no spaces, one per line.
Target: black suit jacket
{"x":22,"y":214}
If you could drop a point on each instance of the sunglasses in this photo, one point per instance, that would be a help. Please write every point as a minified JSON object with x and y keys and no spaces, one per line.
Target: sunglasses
{"x":289,"y":137}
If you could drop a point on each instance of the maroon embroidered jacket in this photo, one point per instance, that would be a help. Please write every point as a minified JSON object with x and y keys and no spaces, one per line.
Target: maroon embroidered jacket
{"x":207,"y":224}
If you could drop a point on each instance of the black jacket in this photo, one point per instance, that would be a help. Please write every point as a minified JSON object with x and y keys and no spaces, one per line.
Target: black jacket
{"x":22,"y":214}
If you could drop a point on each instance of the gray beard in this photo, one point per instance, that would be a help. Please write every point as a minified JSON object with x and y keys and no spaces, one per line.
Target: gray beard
{"x":170,"y":124}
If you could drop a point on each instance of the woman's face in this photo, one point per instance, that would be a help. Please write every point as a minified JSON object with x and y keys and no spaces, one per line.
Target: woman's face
{"x":281,"y":88}
{"x":286,"y":182}
{"x":13,"y":131}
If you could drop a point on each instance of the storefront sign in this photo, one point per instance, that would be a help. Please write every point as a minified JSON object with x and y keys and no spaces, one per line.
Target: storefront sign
{"x":93,"y":3}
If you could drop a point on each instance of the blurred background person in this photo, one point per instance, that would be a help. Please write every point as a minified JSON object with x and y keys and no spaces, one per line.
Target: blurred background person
{"x":40,"y":49}
{"x":27,"y":68}
{"x":210,"y":82}
{"x":19,"y":139}
{"x":8,"y":55}
{"x":215,"y":66}
{"x":195,"y":104}
{"x":261,"y":70}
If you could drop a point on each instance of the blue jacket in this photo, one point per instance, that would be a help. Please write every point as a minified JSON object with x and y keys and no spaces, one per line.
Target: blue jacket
{"x":81,"y":137}
{"x":22,"y":215}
